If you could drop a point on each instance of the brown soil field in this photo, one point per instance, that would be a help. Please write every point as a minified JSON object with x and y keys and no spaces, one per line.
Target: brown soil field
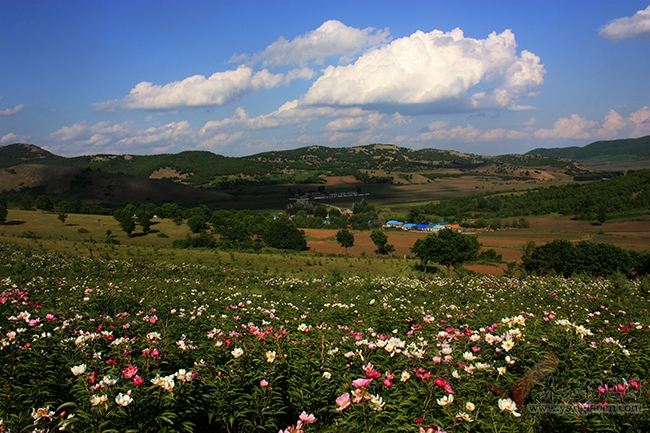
{"x":341,"y":180}
{"x":507,"y":242}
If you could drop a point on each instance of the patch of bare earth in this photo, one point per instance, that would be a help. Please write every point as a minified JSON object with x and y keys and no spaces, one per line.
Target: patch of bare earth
{"x":341,"y":180}
{"x":168,"y":173}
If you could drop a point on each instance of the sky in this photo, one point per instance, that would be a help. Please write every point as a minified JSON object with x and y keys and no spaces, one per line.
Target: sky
{"x":241,"y":77}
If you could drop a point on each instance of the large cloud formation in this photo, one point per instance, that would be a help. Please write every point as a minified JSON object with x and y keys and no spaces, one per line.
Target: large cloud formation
{"x":220,"y":88}
{"x":628,"y":27}
{"x":433,"y":72}
{"x":332,"y":38}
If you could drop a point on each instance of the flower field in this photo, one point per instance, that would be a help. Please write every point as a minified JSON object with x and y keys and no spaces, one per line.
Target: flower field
{"x":98,"y":346}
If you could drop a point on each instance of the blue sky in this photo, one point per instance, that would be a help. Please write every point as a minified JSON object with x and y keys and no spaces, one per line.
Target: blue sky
{"x":242,"y":77}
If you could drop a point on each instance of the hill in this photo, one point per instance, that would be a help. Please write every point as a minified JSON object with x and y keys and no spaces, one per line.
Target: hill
{"x":96,"y":187}
{"x":266,"y":180}
{"x":603,"y":153}
{"x":303,"y":165}
{"x":20,"y":153}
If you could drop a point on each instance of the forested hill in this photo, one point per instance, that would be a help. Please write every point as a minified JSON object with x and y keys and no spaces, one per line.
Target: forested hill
{"x":304,"y":165}
{"x":623,"y":196}
{"x":613,"y":150}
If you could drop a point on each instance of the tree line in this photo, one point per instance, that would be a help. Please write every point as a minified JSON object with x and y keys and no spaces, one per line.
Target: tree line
{"x":563,"y":258}
{"x":623,"y":196}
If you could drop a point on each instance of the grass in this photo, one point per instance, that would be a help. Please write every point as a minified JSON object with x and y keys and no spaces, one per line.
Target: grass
{"x":51,"y":235}
{"x":86,"y":235}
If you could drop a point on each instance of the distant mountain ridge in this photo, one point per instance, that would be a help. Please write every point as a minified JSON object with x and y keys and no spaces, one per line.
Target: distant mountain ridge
{"x":206,"y":169}
{"x":611,"y":150}
{"x":205,"y":177}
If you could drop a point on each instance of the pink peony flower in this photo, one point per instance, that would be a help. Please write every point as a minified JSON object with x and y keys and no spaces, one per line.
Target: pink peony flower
{"x":130,"y":371}
{"x":264,"y":383}
{"x":307,"y":419}
{"x":633,"y":383}
{"x":343,"y":402}
{"x":361,"y":383}
{"x":373,"y":374}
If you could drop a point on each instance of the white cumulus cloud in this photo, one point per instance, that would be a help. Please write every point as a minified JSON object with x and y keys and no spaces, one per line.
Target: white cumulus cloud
{"x":433,"y":72}
{"x":628,"y":27}
{"x":97,"y":134}
{"x":332,"y":38}
{"x":11,"y":138}
{"x":290,"y":113}
{"x":167,"y":133}
{"x":613,"y":125}
{"x":11,"y":111}
{"x":198,"y":91}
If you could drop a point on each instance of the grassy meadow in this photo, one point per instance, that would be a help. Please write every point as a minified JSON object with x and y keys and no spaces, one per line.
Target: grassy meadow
{"x":132,"y":335}
{"x":86,"y":235}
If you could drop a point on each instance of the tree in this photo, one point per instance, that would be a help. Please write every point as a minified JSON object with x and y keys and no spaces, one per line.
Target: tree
{"x":565,"y":258}
{"x":62,"y":217}
{"x":3,"y":210}
{"x":236,"y":235}
{"x":282,"y":233}
{"x":523,"y":223}
{"x":197,"y":223}
{"x":143,"y":216}
{"x":27,"y":202}
{"x":44,"y":203}
{"x":345,"y":238}
{"x":170,"y":210}
{"x":556,"y":256}
{"x":125,"y":218}
{"x":448,"y":248}
{"x":320,"y":212}
{"x":380,"y":240}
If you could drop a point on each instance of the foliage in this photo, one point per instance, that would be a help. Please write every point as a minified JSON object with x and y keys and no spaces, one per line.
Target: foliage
{"x":345,"y":238}
{"x":3,"y":210}
{"x":585,"y":257}
{"x":380,"y":239}
{"x":448,"y":247}
{"x":490,"y":255}
{"x":621,"y":196}
{"x":124,"y":217}
{"x":143,"y":216}
{"x":103,"y":345}
{"x":197,"y":223}
{"x":282,"y":233}
{"x":44,"y":203}
{"x":203,"y":240}
{"x":625,"y":149}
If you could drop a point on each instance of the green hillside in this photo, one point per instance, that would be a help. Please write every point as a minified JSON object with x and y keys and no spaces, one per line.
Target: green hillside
{"x":303,"y":165}
{"x":611,"y":150}
{"x":19,"y":153}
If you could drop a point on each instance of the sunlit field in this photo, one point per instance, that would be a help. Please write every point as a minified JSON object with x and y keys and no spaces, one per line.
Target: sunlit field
{"x":86,"y":235}
{"x":112,"y":345}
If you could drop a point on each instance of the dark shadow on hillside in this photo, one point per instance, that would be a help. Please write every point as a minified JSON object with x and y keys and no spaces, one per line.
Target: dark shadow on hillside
{"x":139,"y":235}
{"x":13,"y":223}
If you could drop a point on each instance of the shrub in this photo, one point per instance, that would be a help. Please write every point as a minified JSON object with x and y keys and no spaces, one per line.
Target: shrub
{"x":203,"y":240}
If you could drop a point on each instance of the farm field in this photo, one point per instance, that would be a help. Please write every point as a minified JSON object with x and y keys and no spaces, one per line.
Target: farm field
{"x":131,"y":345}
{"x":82,"y":234}
{"x":400,"y":192}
